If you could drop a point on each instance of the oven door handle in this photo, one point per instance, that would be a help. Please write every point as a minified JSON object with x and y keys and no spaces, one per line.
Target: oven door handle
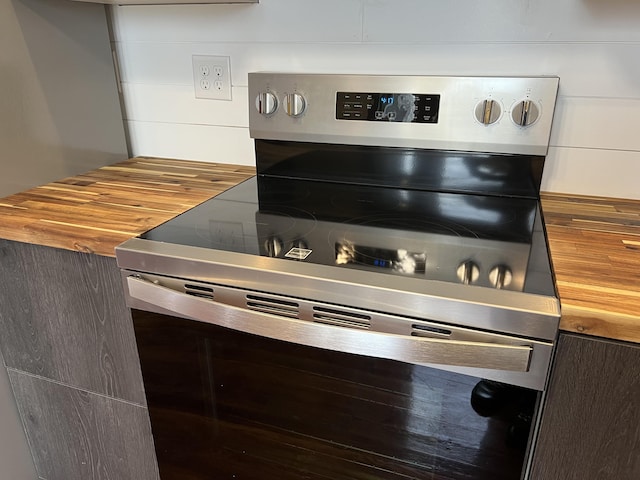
{"x":146,"y":295}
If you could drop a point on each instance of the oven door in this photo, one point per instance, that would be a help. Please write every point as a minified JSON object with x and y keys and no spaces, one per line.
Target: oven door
{"x":230,"y":404}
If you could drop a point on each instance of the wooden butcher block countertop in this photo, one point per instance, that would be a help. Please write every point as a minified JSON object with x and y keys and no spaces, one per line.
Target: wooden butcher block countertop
{"x":96,"y":211}
{"x":595,"y":242}
{"x":595,"y":247}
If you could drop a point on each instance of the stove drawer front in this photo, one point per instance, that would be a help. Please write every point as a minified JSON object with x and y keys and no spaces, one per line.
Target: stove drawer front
{"x":227,"y":404}
{"x":508,"y":359}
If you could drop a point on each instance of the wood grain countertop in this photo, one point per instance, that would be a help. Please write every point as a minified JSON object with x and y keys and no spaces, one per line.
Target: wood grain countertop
{"x":595,"y":242}
{"x":96,"y":211}
{"x":595,"y":247}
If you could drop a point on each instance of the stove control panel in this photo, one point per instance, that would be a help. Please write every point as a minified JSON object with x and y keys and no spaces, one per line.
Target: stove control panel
{"x":481,"y":114}
{"x":387,"y":107}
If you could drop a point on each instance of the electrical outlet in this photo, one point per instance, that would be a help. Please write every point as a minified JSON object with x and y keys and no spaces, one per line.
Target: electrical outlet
{"x":212,"y":77}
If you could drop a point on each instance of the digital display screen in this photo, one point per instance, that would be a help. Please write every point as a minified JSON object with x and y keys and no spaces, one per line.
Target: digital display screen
{"x":388,"y":107}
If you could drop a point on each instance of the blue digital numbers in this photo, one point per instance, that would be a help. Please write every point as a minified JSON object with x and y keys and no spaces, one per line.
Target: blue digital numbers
{"x":386,"y":100}
{"x":380,"y":263}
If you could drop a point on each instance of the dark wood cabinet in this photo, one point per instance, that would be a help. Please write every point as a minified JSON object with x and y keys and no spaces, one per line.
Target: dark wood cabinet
{"x":75,"y":434}
{"x":68,"y":343}
{"x":591,"y":420}
{"x":63,"y":317}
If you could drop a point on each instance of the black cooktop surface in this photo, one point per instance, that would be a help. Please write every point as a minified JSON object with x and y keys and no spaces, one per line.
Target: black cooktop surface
{"x":384,"y":230}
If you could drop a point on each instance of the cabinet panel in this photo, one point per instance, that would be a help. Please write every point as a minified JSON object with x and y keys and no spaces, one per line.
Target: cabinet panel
{"x":63,"y":317}
{"x":591,"y":422}
{"x":15,"y":459}
{"x":76,"y":435}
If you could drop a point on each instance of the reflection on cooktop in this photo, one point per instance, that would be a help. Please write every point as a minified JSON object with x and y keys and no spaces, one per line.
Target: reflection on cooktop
{"x":491,"y":217}
{"x":422,"y":234}
{"x":283,"y":206}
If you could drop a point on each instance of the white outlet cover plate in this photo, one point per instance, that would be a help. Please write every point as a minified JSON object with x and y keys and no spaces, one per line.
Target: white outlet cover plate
{"x":212,"y":77}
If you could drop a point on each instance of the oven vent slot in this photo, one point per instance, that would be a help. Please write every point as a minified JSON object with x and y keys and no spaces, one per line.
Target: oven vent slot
{"x":274,"y":306}
{"x":341,"y":318}
{"x":429,"y":331}
{"x":198,"y":291}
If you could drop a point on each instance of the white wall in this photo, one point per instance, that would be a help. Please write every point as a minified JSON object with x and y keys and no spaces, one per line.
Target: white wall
{"x":59,"y":106}
{"x":592,"y":45}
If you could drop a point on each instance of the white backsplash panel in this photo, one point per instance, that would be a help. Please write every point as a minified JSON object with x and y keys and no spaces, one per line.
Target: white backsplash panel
{"x":592,"y":45}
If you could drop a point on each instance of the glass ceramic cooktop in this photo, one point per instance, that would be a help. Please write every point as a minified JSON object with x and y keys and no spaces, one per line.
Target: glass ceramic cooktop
{"x":488,"y":241}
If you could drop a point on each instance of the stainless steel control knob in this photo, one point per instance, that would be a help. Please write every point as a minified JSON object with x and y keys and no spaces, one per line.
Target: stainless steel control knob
{"x":488,"y":111}
{"x":500,"y":276}
{"x":273,"y":246}
{"x":294,"y":104}
{"x":468,"y":272}
{"x":266,"y":103}
{"x":525,"y":113}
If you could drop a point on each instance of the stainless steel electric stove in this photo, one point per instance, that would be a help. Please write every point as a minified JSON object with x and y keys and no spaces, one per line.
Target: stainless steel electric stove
{"x":393,"y":218}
